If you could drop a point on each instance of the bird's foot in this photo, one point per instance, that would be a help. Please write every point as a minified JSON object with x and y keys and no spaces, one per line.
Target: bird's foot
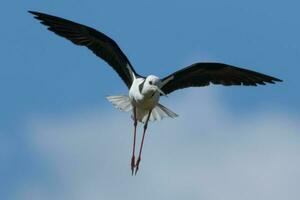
{"x":137,"y":165}
{"x":132,"y":164}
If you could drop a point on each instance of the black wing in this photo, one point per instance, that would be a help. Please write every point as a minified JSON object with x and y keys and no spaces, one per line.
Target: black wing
{"x":202,"y":74}
{"x":100,"y":44}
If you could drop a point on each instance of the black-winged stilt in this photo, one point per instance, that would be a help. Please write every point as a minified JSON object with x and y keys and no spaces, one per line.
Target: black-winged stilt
{"x":144,"y":92}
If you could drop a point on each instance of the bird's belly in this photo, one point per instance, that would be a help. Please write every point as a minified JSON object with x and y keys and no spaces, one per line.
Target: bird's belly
{"x":146,"y":103}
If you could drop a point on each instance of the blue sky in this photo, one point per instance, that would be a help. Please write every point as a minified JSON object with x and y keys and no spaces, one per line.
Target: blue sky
{"x":46,"y":83}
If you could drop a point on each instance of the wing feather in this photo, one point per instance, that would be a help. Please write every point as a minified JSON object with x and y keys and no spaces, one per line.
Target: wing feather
{"x":203,"y":74}
{"x":100,"y":44}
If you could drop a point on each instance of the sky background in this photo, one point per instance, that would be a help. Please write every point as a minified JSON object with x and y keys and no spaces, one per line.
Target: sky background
{"x":61,"y":139}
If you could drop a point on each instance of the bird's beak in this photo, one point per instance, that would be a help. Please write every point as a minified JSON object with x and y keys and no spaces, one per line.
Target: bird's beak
{"x":161,"y":92}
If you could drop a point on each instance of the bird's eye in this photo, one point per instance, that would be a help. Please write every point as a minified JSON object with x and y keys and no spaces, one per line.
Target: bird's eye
{"x":150,"y":82}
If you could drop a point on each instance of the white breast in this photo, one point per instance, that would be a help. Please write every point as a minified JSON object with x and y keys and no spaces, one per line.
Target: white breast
{"x":139,"y":100}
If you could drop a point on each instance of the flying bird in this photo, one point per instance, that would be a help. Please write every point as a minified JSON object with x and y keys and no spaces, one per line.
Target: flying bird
{"x":145,"y":91}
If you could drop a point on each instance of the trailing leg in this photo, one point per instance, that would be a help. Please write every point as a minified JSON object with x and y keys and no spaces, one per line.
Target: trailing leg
{"x":141,"y":147}
{"x":134,"y":139}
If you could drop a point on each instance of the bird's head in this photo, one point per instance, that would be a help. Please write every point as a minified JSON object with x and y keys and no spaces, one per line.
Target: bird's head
{"x":152,"y":85}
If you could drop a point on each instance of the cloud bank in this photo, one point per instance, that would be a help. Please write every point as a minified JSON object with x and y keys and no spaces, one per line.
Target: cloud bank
{"x":207,"y":153}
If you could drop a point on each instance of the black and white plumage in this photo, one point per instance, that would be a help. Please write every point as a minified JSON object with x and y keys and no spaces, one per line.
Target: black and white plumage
{"x":145,"y":92}
{"x":97,"y":42}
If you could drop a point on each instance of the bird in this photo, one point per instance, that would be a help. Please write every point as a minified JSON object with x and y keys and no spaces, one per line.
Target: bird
{"x":145,"y":91}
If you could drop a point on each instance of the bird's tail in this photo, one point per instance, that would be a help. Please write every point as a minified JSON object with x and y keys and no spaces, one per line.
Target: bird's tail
{"x":158,"y":113}
{"x":122,"y":102}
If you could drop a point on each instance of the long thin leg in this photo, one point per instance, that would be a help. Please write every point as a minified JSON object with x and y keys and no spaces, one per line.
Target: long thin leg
{"x":141,"y":147}
{"x":134,"y":139}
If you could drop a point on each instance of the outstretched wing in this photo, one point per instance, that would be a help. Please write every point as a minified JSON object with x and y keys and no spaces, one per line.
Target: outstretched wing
{"x":100,"y":44}
{"x":202,"y":74}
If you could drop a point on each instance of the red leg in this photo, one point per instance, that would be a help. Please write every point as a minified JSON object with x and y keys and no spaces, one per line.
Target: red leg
{"x":134,"y":139}
{"x":141,"y":147}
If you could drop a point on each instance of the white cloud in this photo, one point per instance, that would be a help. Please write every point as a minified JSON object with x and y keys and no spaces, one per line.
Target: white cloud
{"x":206,"y":153}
